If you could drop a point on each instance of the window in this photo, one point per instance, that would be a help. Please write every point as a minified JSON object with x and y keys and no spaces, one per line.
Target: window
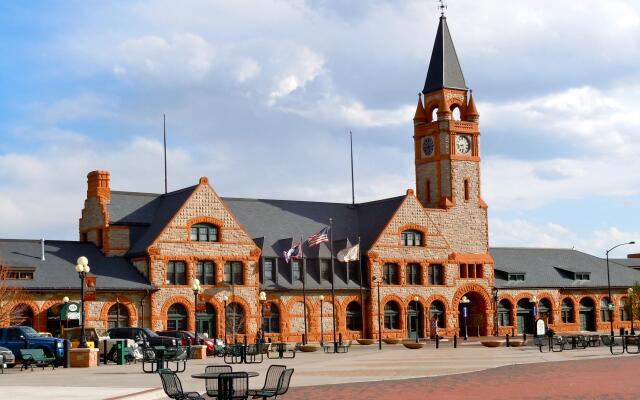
{"x":428,"y":190}
{"x":177,"y":317}
{"x":354,"y":316}
{"x":605,"y":314}
{"x":352,"y":270}
{"x":204,"y":233}
{"x":271,"y":319}
{"x":545,"y":310}
{"x":268,"y":269}
{"x":413,"y":274}
{"x":391,"y":315}
{"x":504,"y":313}
{"x":466,"y":190}
{"x":175,"y":273}
{"x":205,"y":272}
{"x":233,"y":273}
{"x":582,"y":276}
{"x":19,"y":275}
{"x":625,"y":311}
{"x":118,"y":316}
{"x":235,"y":320}
{"x":390,"y":274}
{"x":436,"y":274}
{"x":567,"y":311}
{"x":479,"y":271}
{"x":21,"y":315}
{"x":516,"y":276}
{"x":325,"y":270}
{"x":411,"y":238}
{"x":296,"y":273}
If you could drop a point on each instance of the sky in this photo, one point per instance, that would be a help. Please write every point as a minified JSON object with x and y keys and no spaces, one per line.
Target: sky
{"x":260,"y":97}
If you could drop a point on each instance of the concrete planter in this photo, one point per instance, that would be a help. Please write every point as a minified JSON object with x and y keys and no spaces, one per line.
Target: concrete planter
{"x":199,"y":352}
{"x":309,"y":348}
{"x":83,"y":358}
{"x":491,"y":343}
{"x":516,"y":343}
{"x":413,"y":345}
{"x":391,"y":341}
{"x":366,"y":342}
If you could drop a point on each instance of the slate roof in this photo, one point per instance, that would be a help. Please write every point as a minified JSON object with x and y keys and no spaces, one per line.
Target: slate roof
{"x":444,"y":68}
{"x":58,"y":269}
{"x":553,"y":268}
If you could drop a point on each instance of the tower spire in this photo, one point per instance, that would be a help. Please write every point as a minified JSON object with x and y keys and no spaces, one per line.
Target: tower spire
{"x":444,"y":68}
{"x":442,"y":7}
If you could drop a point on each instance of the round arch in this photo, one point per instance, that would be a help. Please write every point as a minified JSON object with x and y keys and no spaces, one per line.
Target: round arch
{"x":188,"y":305}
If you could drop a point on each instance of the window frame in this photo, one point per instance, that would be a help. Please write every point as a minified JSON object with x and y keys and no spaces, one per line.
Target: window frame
{"x":435,"y":275}
{"x":391,"y":316}
{"x":411,"y":238}
{"x":233,"y":270}
{"x":413,"y":274}
{"x":201,"y":272}
{"x":212,"y":233}
{"x":173,"y":274}
{"x":390,"y":274}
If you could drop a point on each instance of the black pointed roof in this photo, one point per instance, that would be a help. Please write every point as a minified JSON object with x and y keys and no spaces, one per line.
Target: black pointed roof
{"x":444,"y":67}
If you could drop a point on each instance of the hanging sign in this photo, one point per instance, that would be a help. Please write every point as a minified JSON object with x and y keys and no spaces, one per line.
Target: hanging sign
{"x":90,"y":288}
{"x":71,"y":311}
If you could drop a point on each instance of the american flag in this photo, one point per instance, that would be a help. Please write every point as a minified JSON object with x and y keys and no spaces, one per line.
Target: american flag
{"x":322,"y":236}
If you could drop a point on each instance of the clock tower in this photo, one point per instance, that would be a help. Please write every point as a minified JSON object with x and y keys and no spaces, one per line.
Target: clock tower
{"x":446,"y":132}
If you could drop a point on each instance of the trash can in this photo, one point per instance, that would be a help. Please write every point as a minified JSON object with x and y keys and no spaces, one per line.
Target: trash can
{"x":120,"y":345}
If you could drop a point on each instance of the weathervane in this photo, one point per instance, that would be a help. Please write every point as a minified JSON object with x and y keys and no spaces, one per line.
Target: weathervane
{"x":442,"y":7}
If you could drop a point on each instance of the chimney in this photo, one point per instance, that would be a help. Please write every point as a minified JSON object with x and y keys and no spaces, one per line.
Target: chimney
{"x":98,"y":185}
{"x":42,"y":249}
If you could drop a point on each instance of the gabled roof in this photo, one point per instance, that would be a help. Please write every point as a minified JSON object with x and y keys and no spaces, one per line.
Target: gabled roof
{"x":554,"y":268}
{"x":444,"y":67}
{"x":57,"y":271}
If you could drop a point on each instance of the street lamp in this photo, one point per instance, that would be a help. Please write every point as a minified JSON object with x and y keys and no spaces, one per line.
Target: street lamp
{"x":631,"y":300}
{"x":263,"y":299}
{"x":494,"y":292}
{"x":196,"y":291}
{"x":609,"y":279}
{"x":377,"y":280}
{"x":225,"y":298}
{"x":416,"y":298}
{"x":465,"y":301}
{"x":534,"y":301}
{"x":65,"y":300}
{"x":82,"y":268}
{"x":321,"y":322}
{"x":117,"y":312}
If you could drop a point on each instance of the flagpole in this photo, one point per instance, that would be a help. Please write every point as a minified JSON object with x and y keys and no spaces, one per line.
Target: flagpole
{"x":361,"y":291}
{"x":353,"y":192}
{"x":304,"y":294}
{"x":164,"y":136}
{"x":333,"y":289}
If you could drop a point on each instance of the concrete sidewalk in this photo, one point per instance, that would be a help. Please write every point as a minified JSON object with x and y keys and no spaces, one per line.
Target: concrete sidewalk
{"x":361,"y":364}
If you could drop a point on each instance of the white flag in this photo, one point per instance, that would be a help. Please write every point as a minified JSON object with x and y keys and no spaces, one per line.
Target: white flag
{"x":349,"y":254}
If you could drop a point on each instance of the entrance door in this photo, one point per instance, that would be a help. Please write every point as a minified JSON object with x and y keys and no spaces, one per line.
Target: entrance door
{"x":525,"y":316}
{"x":522,"y":323}
{"x":414,"y":317}
{"x":206,"y":321}
{"x":587,"y":315}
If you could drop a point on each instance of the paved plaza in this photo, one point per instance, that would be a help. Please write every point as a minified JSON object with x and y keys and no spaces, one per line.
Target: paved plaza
{"x":394,"y":365}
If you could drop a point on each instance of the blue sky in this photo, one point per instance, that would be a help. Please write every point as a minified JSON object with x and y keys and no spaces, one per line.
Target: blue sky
{"x":260,"y":97}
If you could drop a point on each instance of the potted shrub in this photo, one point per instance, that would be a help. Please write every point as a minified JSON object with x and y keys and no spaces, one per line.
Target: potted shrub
{"x":412,"y":344}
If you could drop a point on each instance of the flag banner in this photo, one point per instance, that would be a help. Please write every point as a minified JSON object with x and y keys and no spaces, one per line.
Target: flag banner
{"x":89,"y":288}
{"x":294,"y":252}
{"x":320,"y":237}
{"x":349,"y":254}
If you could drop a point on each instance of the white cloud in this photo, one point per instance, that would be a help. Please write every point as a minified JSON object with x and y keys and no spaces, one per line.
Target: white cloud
{"x":295,"y":68}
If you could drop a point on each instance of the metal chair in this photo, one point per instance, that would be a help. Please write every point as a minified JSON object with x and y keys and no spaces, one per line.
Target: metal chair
{"x":233,"y":386}
{"x":173,"y":387}
{"x":212,"y":384}
{"x":283,"y":385}
{"x":270,"y":382}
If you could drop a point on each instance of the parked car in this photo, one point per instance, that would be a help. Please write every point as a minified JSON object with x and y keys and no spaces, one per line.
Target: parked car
{"x":25,"y":337}
{"x":99,"y":337}
{"x":142,"y":336}
{"x":186,"y":339}
{"x":9,"y":358}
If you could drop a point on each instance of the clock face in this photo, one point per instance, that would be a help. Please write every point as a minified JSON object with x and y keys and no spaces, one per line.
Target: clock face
{"x":428,"y":146}
{"x":463,"y":144}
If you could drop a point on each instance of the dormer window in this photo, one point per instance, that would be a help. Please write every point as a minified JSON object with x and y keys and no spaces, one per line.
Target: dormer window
{"x":411,"y":238}
{"x":517,"y":276}
{"x":582,"y":276}
{"x":23,"y":274}
{"x":204,"y":233}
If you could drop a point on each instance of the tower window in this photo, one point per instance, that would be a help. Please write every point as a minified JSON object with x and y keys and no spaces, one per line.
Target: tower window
{"x":466,"y":190}
{"x":428,"y":190}
{"x":434,"y":114}
{"x":455,"y":113}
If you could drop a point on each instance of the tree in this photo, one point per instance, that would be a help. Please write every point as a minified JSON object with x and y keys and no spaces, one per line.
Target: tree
{"x":10,"y":295}
{"x":634,"y":301}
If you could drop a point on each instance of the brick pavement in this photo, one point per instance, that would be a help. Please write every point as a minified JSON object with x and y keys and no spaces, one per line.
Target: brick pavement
{"x":612,"y":378}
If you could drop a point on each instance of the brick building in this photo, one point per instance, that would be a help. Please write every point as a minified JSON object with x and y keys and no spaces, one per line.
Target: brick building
{"x":424,"y":252}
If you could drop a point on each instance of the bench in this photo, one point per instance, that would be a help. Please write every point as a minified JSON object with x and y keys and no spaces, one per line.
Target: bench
{"x":31,"y":357}
{"x":344,"y":347}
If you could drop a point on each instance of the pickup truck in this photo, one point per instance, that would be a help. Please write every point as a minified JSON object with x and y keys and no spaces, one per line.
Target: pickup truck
{"x":25,"y":337}
{"x":144,"y":337}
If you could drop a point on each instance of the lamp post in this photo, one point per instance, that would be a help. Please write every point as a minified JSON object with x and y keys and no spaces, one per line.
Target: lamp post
{"x":631,"y":300}
{"x":416,"y":298}
{"x":321,"y":322}
{"x":263,"y":299}
{"x":494,"y":292}
{"x":196,"y":291}
{"x":117,"y":312}
{"x":82,"y":268}
{"x":65,"y":300}
{"x":225,"y":298}
{"x":609,"y":279}
{"x":465,"y":301}
{"x":534,"y":301}
{"x":377,"y":280}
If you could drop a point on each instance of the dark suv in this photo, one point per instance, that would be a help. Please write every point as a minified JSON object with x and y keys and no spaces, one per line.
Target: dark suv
{"x":143,"y":336}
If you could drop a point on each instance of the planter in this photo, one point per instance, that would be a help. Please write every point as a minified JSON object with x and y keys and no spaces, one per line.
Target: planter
{"x":366,"y":342}
{"x":516,"y":343}
{"x":309,"y":348}
{"x":413,"y":345}
{"x":491,"y":343}
{"x":391,"y":341}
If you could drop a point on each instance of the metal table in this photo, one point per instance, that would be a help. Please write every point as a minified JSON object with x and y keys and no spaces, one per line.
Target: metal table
{"x":227,"y":385}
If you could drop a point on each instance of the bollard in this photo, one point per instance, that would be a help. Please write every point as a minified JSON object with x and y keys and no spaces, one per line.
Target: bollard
{"x":455,"y":341}
{"x":524,"y":336}
{"x":340,"y":338}
{"x":507,"y":340}
{"x":304,"y":338}
{"x":104,"y":352}
{"x":437,"y":341}
{"x":513,"y":332}
{"x":67,"y":361}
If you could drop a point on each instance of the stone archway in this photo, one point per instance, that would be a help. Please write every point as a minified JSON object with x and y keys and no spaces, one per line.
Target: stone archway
{"x":472,"y":316}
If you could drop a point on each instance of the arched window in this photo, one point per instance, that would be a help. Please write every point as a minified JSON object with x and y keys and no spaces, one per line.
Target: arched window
{"x":625,"y":311}
{"x":271,"y":320}
{"x":455,"y":112}
{"x":21,"y":315}
{"x":504,"y":313}
{"x":235,"y":319}
{"x":354,"y":316}
{"x":411,"y":238}
{"x":177,"y":318}
{"x":391,"y":315}
{"x":391,"y":274}
{"x":567,"y":311}
{"x":204,"y":233}
{"x":437,"y":311}
{"x":545,"y":310}
{"x":118,"y":316}
{"x":434,"y":114}
{"x":605,"y":313}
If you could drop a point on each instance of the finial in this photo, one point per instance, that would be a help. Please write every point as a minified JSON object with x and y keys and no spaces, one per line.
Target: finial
{"x":442,"y":7}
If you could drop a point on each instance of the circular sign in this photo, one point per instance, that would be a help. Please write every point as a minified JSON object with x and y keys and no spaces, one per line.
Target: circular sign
{"x":73,"y":307}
